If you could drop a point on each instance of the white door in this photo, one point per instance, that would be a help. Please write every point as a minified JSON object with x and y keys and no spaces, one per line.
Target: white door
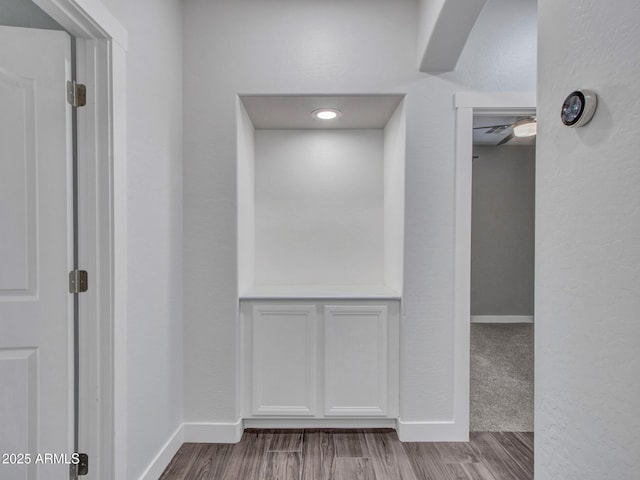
{"x":36,"y":316}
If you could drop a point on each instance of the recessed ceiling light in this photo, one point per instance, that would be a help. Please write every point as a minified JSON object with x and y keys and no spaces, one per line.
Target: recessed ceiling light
{"x":527,"y":127}
{"x":326,"y":113}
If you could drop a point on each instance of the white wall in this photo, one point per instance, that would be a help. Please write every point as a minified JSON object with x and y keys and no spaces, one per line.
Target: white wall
{"x":503,"y":230}
{"x":332,"y":47}
{"x":443,"y":29}
{"x":502,"y":44}
{"x":319,"y":207}
{"x":428,"y":11}
{"x":588,"y":245}
{"x":395,"y":134}
{"x":154,"y":89}
{"x":246,"y":200}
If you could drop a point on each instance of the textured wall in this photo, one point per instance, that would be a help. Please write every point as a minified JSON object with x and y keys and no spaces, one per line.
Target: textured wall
{"x":503,"y":230}
{"x":502,"y":45}
{"x":154,"y":91}
{"x":588,"y":245}
{"x":440,"y":45}
{"x":334,"y":46}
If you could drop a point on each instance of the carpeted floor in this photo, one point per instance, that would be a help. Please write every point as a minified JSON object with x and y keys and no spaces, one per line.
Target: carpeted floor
{"x":501,"y":377}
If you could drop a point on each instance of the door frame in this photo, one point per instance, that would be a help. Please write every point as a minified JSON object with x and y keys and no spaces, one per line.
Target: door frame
{"x":468,"y":104}
{"x":102,"y":222}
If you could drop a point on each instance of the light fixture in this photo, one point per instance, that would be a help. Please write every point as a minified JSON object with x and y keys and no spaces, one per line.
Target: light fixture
{"x":326,"y":113}
{"x":578,"y":108}
{"x":527,"y":127}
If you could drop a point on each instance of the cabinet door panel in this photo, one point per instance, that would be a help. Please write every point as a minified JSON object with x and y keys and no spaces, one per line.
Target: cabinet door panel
{"x":284,"y":360}
{"x":355,"y":352}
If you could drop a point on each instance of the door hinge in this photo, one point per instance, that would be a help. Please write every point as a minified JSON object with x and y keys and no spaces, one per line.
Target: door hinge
{"x":80,"y":468}
{"x":78,"y":281}
{"x":76,"y":94}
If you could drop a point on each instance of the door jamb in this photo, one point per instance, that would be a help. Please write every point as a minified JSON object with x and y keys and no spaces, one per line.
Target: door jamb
{"x":466,"y":105}
{"x":102,"y":145}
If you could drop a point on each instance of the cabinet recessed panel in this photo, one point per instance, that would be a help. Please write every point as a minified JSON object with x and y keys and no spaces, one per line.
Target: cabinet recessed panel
{"x":284,"y":359}
{"x":17,"y":184}
{"x":356,"y":352}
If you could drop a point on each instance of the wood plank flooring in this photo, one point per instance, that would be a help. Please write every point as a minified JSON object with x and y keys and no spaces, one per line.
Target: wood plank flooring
{"x":372,"y":454}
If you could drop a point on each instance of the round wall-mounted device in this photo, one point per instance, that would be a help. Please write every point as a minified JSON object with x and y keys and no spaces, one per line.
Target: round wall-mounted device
{"x":578,"y":108}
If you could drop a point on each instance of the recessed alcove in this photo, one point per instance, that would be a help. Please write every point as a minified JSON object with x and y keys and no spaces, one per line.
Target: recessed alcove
{"x":320,"y":203}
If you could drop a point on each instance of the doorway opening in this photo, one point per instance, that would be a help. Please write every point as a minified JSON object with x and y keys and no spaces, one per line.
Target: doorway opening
{"x":502,"y":275}
{"x":468,"y":105}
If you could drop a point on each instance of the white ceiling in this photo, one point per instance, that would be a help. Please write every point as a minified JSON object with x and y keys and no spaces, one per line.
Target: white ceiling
{"x":273,"y":112}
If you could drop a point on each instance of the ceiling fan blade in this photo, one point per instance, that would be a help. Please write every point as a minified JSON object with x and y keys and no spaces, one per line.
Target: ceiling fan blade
{"x":494,"y":126}
{"x":506,"y":139}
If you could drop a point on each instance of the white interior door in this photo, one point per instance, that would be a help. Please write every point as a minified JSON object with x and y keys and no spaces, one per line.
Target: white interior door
{"x":36,"y":316}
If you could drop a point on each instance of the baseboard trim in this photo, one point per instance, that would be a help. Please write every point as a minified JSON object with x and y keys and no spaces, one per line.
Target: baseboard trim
{"x":163,"y":458}
{"x":232,"y":433}
{"x":431,"y":431}
{"x":320,"y":423}
{"x":213,"y":432}
{"x":192,"y":433}
{"x":502,"y":318}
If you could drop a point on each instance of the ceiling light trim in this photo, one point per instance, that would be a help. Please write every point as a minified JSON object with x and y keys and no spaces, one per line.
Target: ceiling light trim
{"x":326,"y":114}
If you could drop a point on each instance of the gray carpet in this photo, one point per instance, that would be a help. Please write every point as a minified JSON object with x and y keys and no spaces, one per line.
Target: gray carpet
{"x":501,"y":377}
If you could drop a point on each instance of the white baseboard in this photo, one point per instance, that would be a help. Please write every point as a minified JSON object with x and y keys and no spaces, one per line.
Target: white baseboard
{"x":431,"y":431}
{"x":502,"y":318}
{"x":213,"y":432}
{"x":192,"y":433}
{"x":320,"y":423}
{"x":232,"y":433}
{"x":163,"y":458}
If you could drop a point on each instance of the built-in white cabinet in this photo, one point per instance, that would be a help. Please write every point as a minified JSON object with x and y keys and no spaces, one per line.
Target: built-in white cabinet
{"x":320,"y":359}
{"x":320,"y":257}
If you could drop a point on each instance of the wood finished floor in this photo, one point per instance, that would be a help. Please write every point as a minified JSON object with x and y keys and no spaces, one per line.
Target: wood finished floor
{"x":372,"y":454}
